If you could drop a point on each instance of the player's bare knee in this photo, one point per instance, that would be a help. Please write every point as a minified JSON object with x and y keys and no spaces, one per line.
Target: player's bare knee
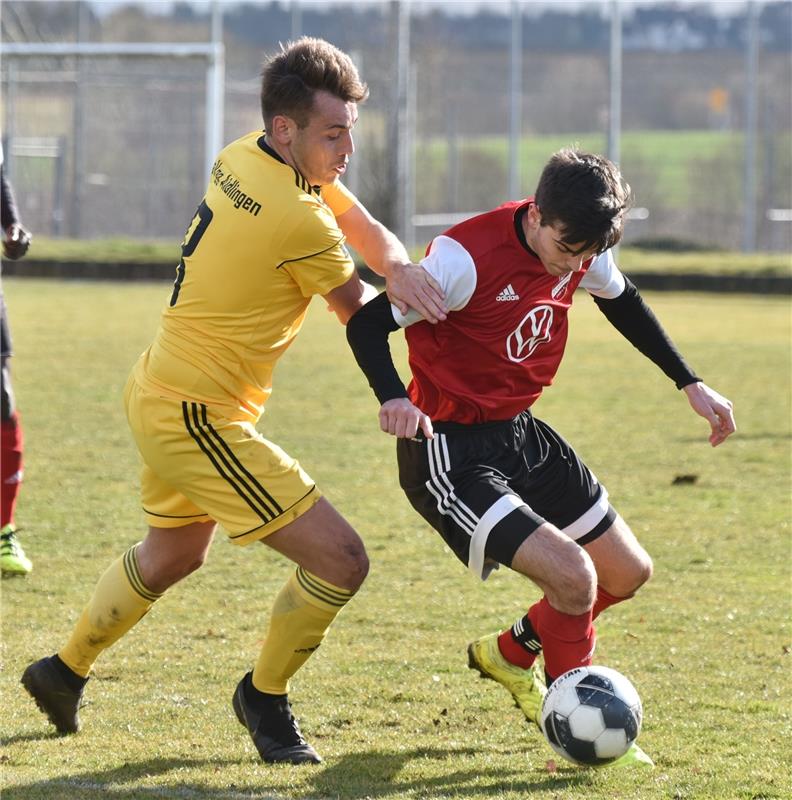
{"x":632,"y":576}
{"x":642,"y":572}
{"x":193,"y":564}
{"x":163,"y":574}
{"x":356,"y":568}
{"x":574,"y":588}
{"x":583,"y":589}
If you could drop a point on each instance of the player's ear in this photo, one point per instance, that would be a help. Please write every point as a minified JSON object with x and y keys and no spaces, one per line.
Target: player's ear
{"x":534,"y":216}
{"x":282,"y":129}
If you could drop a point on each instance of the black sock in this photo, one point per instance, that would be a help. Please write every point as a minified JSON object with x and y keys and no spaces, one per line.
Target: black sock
{"x":73,"y":680}
{"x":257,"y":698}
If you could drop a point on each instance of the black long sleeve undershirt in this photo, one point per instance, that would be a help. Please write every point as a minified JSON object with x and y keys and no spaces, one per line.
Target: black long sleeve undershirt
{"x":367,"y":333}
{"x":368,"y":330}
{"x":634,"y":320}
{"x":8,"y":207}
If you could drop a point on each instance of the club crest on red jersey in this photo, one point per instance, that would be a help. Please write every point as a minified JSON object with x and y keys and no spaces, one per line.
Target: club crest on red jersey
{"x":533,"y":330}
{"x":560,"y":288}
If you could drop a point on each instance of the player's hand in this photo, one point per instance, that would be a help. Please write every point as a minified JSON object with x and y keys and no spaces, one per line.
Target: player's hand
{"x":411,"y":286}
{"x":16,"y":242}
{"x":715,"y":408}
{"x":401,"y":418}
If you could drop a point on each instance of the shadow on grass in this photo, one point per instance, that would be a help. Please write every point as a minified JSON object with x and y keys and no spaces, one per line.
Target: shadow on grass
{"x":759,"y":436}
{"x":363,"y":775}
{"x":376,"y":775}
{"x":40,"y":736}
{"x":119,"y":782}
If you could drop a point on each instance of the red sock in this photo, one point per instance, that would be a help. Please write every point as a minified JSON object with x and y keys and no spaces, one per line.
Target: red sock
{"x":513,"y":651}
{"x":605,"y":600}
{"x":567,"y":640}
{"x":10,"y":467}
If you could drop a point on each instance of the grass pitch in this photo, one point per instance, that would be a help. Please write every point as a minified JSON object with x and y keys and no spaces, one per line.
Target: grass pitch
{"x":114,"y":252}
{"x":388,"y":700}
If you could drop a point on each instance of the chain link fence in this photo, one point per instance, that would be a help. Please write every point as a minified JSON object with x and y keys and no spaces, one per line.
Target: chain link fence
{"x":114,"y":147}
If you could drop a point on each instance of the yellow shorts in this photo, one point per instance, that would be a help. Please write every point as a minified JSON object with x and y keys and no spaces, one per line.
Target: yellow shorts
{"x":199,"y":467}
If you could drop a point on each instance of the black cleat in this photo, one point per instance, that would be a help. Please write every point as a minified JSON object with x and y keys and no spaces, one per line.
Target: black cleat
{"x":48,"y":682}
{"x":272,"y":726}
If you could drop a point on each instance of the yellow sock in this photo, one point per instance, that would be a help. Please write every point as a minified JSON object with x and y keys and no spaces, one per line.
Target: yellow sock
{"x":119,"y":600}
{"x":301,"y":615}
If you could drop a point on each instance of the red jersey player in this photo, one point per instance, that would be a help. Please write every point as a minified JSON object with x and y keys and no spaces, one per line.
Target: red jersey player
{"x":15,"y":243}
{"x":499,"y":485}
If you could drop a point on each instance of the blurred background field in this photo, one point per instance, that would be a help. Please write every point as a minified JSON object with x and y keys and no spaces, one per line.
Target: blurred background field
{"x":388,"y":699}
{"x":468,"y":100}
{"x":109,"y":155}
{"x":632,"y":259}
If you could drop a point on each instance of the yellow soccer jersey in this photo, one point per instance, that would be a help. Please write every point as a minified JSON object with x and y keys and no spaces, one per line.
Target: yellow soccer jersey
{"x":261,"y":244}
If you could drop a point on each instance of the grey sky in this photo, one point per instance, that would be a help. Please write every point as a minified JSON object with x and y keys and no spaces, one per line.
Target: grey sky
{"x":458,"y":6}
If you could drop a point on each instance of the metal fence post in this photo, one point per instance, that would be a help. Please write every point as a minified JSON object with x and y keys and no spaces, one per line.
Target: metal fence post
{"x":515,"y":104}
{"x":614,"y":117}
{"x":751,"y":69}
{"x":400,"y":140}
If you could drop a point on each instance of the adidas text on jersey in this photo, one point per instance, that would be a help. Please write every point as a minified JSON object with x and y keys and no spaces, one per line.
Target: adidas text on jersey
{"x":507,"y":294}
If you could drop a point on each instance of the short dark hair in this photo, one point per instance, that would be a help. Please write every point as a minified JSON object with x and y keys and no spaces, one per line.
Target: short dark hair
{"x":292,"y":77}
{"x":586,"y":196}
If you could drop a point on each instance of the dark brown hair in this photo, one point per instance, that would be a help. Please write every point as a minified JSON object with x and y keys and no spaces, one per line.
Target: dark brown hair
{"x":586,"y":196}
{"x":292,"y":77}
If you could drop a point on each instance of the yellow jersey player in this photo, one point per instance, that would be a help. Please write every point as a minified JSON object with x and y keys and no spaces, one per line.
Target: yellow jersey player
{"x":268,"y":236}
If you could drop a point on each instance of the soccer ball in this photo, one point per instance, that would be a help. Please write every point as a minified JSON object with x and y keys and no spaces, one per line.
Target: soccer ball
{"x":591,"y":715}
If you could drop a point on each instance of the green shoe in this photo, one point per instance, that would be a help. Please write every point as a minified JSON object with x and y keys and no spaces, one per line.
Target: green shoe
{"x":525,"y":685}
{"x":13,"y":560}
{"x":634,"y":756}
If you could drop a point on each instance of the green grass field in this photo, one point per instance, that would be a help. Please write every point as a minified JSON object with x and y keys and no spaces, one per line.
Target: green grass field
{"x":388,"y":699}
{"x":123,"y":251}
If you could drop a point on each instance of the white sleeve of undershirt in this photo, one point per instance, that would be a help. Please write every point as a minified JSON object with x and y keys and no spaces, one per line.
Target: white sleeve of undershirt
{"x":450,"y":264}
{"x":603,"y":278}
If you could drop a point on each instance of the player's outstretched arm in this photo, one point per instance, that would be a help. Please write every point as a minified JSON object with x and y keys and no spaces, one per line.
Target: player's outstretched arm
{"x":715,"y":408}
{"x":367,"y":334}
{"x":630,"y":315}
{"x":346,"y":299}
{"x":633,"y":318}
{"x":408,"y":285}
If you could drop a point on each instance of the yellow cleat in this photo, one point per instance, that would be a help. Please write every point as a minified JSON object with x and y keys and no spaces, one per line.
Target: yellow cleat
{"x":633,"y":756}
{"x":525,"y":685}
{"x":13,"y":560}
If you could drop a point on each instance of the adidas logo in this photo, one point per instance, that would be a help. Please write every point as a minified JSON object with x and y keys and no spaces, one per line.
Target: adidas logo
{"x":507,"y":294}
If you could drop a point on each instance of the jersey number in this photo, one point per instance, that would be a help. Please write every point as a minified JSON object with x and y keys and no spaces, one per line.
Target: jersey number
{"x":200,"y":222}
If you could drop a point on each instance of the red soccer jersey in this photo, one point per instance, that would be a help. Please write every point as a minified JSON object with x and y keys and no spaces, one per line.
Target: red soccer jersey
{"x":491,"y":359}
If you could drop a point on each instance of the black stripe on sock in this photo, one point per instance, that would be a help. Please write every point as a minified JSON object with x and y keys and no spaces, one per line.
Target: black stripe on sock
{"x":133,"y":576}
{"x":524,"y":634}
{"x":321,"y":592}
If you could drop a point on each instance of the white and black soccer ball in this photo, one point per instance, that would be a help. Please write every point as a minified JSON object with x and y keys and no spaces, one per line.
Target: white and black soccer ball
{"x":591,"y":715}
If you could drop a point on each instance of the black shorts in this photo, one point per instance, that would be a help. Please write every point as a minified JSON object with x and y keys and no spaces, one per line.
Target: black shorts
{"x":486,"y":488}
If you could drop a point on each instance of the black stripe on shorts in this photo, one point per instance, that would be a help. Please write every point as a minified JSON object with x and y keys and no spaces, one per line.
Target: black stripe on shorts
{"x":228,"y":466}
